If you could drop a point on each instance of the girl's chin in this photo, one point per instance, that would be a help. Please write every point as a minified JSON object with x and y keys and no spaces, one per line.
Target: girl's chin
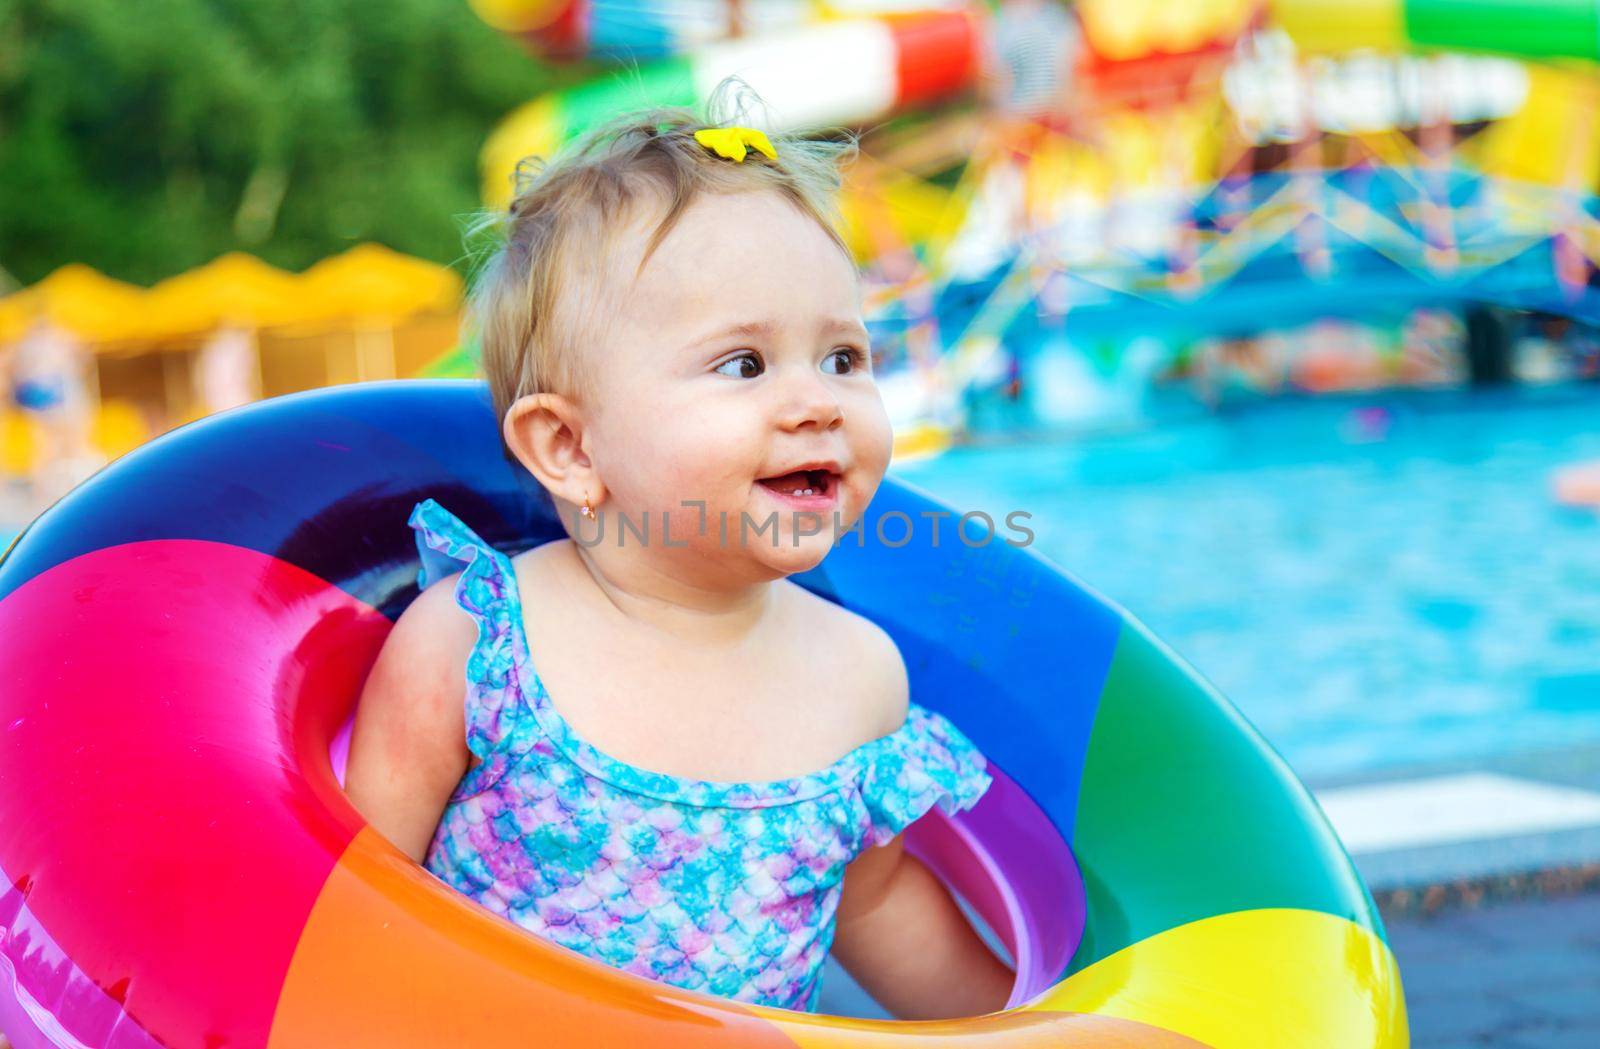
{"x":795,"y":550}
{"x":791,"y":560}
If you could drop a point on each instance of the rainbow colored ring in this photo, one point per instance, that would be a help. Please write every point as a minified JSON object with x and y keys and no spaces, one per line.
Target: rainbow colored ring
{"x":183,"y":637}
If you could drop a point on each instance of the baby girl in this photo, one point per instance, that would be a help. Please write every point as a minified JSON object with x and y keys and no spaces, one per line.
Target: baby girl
{"x":674,"y":759}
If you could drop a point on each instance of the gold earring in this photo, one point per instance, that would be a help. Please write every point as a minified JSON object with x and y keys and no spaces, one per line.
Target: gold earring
{"x":587,"y":510}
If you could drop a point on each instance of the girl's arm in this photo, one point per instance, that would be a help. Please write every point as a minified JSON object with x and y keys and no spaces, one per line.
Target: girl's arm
{"x":906,"y":942}
{"x":408,"y":749}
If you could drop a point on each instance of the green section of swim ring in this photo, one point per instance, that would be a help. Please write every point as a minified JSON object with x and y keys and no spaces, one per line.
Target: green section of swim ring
{"x":1185,"y":813}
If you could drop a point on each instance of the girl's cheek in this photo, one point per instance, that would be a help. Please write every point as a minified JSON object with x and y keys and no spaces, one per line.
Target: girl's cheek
{"x":877,"y":436}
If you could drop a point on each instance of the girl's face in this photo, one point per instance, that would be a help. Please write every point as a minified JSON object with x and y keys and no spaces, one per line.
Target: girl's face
{"x":736,"y":372}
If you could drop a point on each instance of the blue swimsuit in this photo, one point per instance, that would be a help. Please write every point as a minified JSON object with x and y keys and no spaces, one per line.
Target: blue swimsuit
{"x":726,"y":888}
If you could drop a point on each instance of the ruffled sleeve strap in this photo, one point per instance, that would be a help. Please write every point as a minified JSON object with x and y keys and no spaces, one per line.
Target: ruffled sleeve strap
{"x":487,"y":590}
{"x":927,"y":762}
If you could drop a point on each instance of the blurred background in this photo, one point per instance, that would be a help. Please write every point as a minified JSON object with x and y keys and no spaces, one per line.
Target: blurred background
{"x":1281,"y":320}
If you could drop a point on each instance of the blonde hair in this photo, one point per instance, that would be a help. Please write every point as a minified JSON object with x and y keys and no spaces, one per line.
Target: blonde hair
{"x":531,"y":315}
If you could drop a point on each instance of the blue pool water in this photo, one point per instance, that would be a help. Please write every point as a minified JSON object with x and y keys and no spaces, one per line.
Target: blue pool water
{"x":1374,"y":581}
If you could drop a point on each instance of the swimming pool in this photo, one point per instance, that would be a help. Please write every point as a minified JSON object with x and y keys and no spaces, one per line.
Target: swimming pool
{"x":1375,"y":581}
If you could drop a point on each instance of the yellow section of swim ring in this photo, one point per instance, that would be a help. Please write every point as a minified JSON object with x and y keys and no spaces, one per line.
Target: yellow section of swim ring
{"x":1258,"y":979}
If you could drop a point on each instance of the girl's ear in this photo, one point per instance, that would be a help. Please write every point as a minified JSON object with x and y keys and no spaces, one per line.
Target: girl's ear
{"x":545,"y":431}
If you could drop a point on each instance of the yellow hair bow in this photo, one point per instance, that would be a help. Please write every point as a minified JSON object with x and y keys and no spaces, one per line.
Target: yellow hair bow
{"x":730,"y":142}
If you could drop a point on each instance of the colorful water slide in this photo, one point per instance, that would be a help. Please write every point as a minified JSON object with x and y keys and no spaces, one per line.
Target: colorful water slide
{"x":635,"y":29}
{"x":875,"y":67}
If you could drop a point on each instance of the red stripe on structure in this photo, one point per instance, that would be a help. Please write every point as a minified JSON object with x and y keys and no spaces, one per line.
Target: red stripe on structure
{"x":936,"y":54}
{"x":567,"y":34}
{"x":152,"y":807}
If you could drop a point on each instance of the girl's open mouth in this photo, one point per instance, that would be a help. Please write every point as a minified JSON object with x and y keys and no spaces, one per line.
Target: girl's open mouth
{"x":804,"y":489}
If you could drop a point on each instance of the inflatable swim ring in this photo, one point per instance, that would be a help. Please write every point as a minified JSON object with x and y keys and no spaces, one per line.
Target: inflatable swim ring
{"x":184,"y":636}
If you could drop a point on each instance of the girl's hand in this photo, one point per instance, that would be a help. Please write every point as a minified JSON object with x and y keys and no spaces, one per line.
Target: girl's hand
{"x":905,"y":940}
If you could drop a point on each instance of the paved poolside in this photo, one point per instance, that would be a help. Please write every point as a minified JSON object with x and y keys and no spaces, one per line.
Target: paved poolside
{"x":1488,"y":873}
{"x":1515,"y":975}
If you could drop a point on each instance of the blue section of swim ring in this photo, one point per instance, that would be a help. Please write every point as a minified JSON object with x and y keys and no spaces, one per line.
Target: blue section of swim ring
{"x":315,"y":479}
{"x":1003,"y":643}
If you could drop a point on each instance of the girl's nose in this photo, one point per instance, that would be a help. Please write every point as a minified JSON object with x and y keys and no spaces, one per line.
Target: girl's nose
{"x":810,"y":402}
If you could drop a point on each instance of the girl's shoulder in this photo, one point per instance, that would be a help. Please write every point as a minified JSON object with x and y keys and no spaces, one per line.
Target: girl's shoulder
{"x":928,"y":761}
{"x":461,"y":569}
{"x":863,"y":655}
{"x":913,"y":758}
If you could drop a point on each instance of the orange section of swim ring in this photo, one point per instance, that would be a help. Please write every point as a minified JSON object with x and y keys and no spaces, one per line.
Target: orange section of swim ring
{"x":1008,"y":1030}
{"x":391,"y":956}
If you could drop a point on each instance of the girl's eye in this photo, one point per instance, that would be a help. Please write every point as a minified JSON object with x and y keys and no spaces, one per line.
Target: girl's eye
{"x":746,"y":365}
{"x":844,"y":360}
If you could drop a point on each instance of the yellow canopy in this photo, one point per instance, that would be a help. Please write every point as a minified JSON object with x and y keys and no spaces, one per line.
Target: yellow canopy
{"x":231,"y":289}
{"x":86,"y":302}
{"x":372,"y":284}
{"x":368,"y":286}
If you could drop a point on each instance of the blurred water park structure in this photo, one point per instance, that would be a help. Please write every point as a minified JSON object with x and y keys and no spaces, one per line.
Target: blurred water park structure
{"x":1057,"y":210}
{"x":1087,"y":202}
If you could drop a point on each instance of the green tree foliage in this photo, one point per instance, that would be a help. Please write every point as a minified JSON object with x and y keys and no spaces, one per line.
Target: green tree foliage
{"x":144,"y":137}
